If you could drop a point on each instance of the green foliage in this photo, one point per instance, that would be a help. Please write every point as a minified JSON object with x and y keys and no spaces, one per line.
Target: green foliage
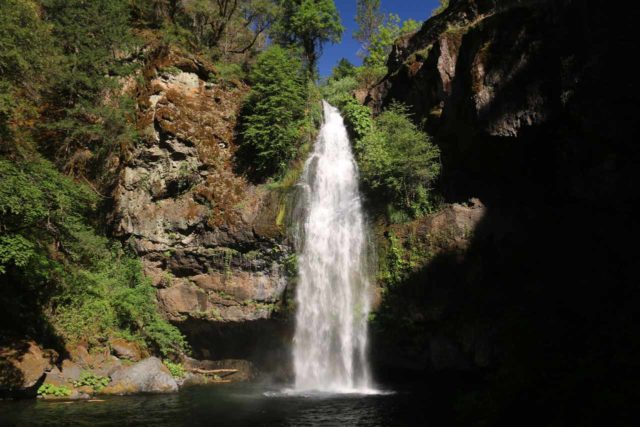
{"x":274,"y":115}
{"x":399,"y":161}
{"x":25,"y":63}
{"x":368,"y":75}
{"x":386,"y":34}
{"x":369,"y":18}
{"x":89,"y":286}
{"x":86,"y":112}
{"x":396,"y":263}
{"x":339,"y":92}
{"x":229,"y":71}
{"x":308,"y":24}
{"x":343,"y":69}
{"x":170,"y":70}
{"x":176,"y":369}
{"x":38,"y":206}
{"x":358,"y":118}
{"x":47,"y":389}
{"x":225,"y":26}
{"x":291,"y":265}
{"x":89,"y":379}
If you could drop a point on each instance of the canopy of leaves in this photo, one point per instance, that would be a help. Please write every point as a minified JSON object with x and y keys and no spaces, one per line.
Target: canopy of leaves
{"x":399,"y":160}
{"x":275,"y":110}
{"x":87,"y":119}
{"x":340,"y":91}
{"x":309,"y":24}
{"x":382,"y":41}
{"x":25,"y":57}
{"x":343,"y":69}
{"x":369,"y":18}
{"x":228,"y":26}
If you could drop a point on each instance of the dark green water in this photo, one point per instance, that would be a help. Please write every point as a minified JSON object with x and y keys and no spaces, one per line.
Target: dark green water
{"x":223,"y":405}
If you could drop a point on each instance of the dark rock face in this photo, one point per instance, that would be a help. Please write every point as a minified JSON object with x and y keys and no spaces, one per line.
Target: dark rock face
{"x":510,"y":89}
{"x":208,"y":239}
{"x":534,"y":111}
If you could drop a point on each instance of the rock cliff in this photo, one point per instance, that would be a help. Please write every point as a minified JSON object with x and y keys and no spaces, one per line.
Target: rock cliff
{"x":533,"y":109}
{"x":209,"y":239}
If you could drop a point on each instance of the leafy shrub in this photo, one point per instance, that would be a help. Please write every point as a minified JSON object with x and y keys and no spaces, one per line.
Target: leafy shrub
{"x":343,"y":69}
{"x":176,"y":369}
{"x":386,"y":34}
{"x":358,"y":118}
{"x":399,"y":161}
{"x":89,"y":288}
{"x":97,"y":383}
{"x":47,"y":389}
{"x":291,"y":265}
{"x":338,"y":92}
{"x":273,"y":118}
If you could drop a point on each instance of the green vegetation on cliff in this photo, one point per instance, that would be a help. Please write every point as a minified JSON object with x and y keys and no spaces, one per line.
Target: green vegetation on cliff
{"x":69,"y":75}
{"x":398,"y":162}
{"x":275,"y":110}
{"x":86,"y":287}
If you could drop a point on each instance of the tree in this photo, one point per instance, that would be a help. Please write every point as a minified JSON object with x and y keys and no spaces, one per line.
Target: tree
{"x":398,"y":160}
{"x":309,"y":24}
{"x":343,"y":69}
{"x":85,"y":112}
{"x":275,"y":110}
{"x":385,"y":36}
{"x":368,"y":18}
{"x":27,"y":58}
{"x":232,"y":26}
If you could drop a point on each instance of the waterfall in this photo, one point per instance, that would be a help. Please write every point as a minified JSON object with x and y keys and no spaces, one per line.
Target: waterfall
{"x":333,"y":292}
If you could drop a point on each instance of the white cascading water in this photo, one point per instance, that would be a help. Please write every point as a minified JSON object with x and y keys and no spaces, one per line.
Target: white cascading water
{"x":333,"y":295}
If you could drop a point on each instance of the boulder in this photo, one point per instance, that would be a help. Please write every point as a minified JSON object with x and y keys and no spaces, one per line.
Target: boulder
{"x":107,"y":365}
{"x":80,"y":355}
{"x":124,"y":349}
{"x":70,"y":371}
{"x":55,"y":377}
{"x":23,"y":365}
{"x":147,"y":376}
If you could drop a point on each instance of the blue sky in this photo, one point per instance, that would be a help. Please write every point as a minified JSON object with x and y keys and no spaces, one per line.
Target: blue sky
{"x":419,"y":10}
